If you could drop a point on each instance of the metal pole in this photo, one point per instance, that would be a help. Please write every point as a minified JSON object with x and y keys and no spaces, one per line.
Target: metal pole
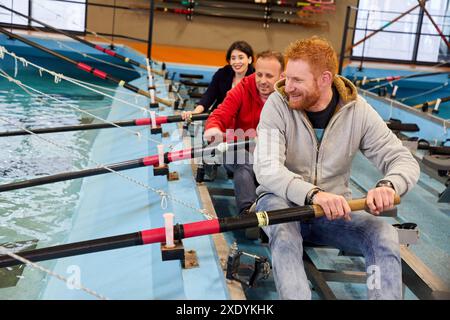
{"x":422,"y":5}
{"x":113,"y":25}
{"x":150,"y":30}
{"x":344,"y":40}
{"x":364,"y":43}
{"x":418,"y":32}
{"x":30,"y":11}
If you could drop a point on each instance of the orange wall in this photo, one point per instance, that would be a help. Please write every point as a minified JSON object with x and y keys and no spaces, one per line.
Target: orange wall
{"x":165,"y":53}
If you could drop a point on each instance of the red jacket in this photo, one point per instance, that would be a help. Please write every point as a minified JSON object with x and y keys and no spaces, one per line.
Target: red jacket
{"x":240,"y":109}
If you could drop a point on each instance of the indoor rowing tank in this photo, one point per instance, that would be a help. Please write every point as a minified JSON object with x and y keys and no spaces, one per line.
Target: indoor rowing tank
{"x":128,"y":201}
{"x":98,"y":206}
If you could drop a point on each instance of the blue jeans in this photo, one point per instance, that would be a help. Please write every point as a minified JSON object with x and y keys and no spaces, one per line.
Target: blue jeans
{"x":365,"y":234}
{"x":244,"y":185}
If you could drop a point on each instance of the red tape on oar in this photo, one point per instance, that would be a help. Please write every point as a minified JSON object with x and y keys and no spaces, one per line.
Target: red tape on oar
{"x":187,"y":230}
{"x":128,"y":123}
{"x":85,"y":67}
{"x":84,"y":41}
{"x":126,"y":165}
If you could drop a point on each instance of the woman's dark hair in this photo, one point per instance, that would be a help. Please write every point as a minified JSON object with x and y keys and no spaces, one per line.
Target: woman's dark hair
{"x":241,"y":46}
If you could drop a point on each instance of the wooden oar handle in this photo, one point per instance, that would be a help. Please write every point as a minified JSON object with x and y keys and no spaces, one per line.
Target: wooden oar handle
{"x":355,"y":205}
{"x":168,"y":103}
{"x":159,"y":72}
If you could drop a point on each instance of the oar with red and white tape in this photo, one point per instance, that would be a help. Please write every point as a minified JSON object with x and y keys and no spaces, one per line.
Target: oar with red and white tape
{"x":180,"y":231}
{"x":365,"y":81}
{"x":154,"y":160}
{"x":127,"y":123}
{"x":86,"y":42}
{"x":96,"y":72}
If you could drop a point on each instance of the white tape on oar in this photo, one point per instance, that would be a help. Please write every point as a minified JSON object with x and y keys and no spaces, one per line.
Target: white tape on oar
{"x":150,"y":82}
{"x":394,"y":91}
{"x":153,"y":119}
{"x":168,"y":224}
{"x":164,"y":196}
{"x":364,"y":80}
{"x":152,"y":96}
{"x":438,"y":102}
{"x":161,"y":154}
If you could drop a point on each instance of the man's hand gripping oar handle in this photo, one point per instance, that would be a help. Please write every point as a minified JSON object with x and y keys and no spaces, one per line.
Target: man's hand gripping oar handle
{"x":355,"y":205}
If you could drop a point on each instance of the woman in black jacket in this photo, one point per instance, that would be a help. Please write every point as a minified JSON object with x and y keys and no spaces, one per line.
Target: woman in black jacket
{"x":240,"y":58}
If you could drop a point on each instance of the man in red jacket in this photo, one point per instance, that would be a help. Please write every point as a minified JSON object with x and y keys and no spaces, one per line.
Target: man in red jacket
{"x":238,"y":116}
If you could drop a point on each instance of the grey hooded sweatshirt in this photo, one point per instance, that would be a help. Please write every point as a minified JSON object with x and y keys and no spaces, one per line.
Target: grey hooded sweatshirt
{"x":289,"y":161}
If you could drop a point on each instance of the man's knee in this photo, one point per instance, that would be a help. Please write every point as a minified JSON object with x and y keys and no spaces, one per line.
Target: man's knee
{"x":271,"y":201}
{"x":382,"y":234}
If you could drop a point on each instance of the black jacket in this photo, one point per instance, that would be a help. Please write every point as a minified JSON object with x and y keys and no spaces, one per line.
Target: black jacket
{"x":219,"y":86}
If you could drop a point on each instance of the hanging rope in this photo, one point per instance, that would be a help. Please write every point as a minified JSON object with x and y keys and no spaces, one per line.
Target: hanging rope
{"x":120,"y":174}
{"x":74,"y":81}
{"x":34,"y":265}
{"x":25,"y":87}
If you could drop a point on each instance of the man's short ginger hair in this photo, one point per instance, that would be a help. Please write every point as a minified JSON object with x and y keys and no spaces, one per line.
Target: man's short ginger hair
{"x":317,"y":51}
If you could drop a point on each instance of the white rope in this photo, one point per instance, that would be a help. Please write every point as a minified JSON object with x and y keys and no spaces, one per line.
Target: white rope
{"x":34,"y":265}
{"x":139,"y":183}
{"x":71,"y":80}
{"x":24,"y":87}
{"x":135,"y":95}
{"x":85,"y":55}
{"x":95,"y":34}
{"x":443,"y":62}
{"x":424,"y":93}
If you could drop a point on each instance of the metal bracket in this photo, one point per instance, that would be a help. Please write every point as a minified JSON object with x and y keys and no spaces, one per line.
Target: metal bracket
{"x":259,"y":271}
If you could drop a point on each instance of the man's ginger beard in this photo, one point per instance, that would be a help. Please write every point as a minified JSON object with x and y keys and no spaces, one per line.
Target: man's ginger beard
{"x":308,"y":99}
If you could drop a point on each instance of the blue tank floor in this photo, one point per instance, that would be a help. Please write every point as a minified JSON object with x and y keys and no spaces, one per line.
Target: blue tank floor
{"x":111,"y":205}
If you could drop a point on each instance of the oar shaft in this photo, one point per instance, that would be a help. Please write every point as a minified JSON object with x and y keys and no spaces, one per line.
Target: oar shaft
{"x":73,"y":175}
{"x":36,"y":45}
{"x":126,"y":165}
{"x":68,"y":128}
{"x":88,"y":43}
{"x":96,"y":72}
{"x":432,"y":103}
{"x":73,"y":249}
{"x":188,"y":230}
{"x":93,"y":126}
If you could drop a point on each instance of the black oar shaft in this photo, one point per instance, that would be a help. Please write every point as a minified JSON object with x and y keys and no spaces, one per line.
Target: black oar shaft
{"x":68,"y":128}
{"x":72,"y":175}
{"x":82,"y":66}
{"x":88,"y":43}
{"x":194,"y":117}
{"x":188,"y":230}
{"x":126,"y":165}
{"x":93,"y":126}
{"x":74,"y":249}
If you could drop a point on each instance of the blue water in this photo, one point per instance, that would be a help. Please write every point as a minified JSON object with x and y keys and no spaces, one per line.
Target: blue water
{"x":413,"y":91}
{"x":42,"y":213}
